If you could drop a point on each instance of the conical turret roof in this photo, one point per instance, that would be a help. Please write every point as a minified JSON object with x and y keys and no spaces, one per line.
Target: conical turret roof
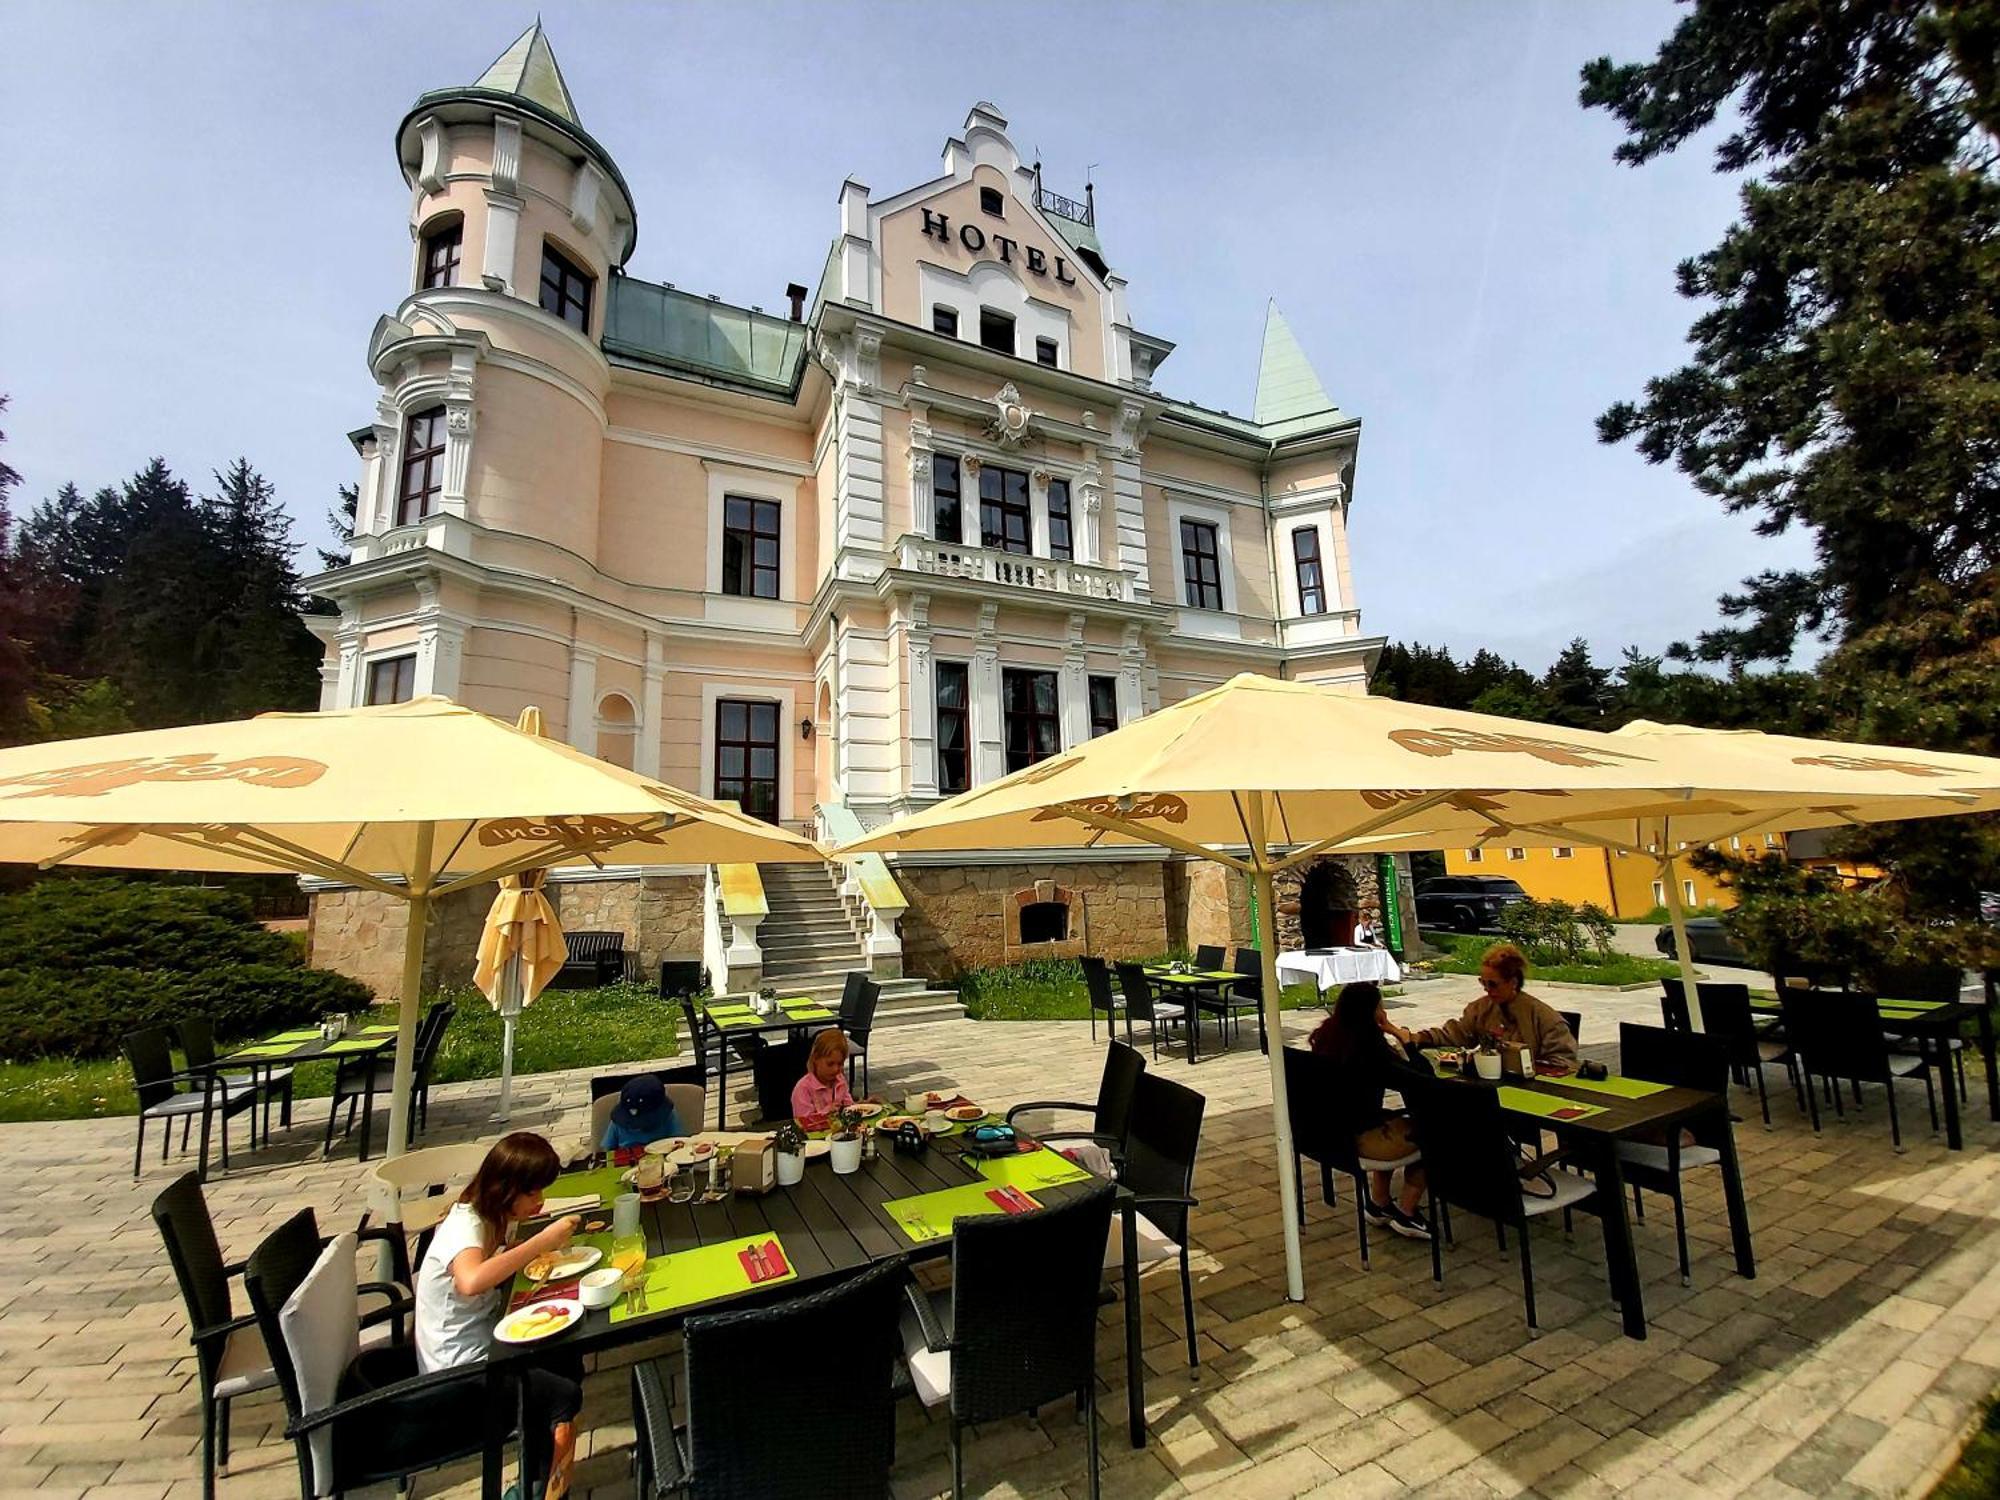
{"x":1286,"y":385}
{"x":528,"y":68}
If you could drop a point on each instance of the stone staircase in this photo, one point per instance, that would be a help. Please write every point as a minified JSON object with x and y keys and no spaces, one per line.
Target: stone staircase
{"x":810,"y":946}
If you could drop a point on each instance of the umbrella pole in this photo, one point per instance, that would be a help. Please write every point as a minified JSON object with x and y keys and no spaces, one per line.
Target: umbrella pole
{"x":510,"y":1007}
{"x":1274,"y":1031}
{"x":412,"y":998}
{"x":1676,"y":914}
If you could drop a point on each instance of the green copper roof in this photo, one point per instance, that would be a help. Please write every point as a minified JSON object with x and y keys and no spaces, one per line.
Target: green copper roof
{"x":1286,"y":385}
{"x":528,"y":68}
{"x":664,"y":328}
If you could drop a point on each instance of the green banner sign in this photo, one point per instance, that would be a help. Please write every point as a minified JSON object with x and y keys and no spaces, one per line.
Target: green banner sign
{"x":1392,"y":903}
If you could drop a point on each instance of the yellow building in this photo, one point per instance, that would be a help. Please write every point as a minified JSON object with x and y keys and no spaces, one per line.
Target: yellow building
{"x":1626,"y":885}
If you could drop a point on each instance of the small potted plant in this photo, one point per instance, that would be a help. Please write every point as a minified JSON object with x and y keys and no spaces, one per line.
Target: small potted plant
{"x":846,"y":1141}
{"x":1487,"y":1060}
{"x":790,"y":1143}
{"x":767,"y":1001}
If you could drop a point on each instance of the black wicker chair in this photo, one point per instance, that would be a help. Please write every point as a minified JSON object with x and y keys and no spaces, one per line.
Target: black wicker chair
{"x":681,"y":978}
{"x":858,"y":999}
{"x":1573,"y":1019}
{"x":1141,"y":1006}
{"x":1018,"y":1327}
{"x":1674,"y":1006}
{"x":1837,"y":1034}
{"x":1727,"y":1017}
{"x":1684,"y":1059}
{"x":841,"y":1442}
{"x":1321,"y":1132}
{"x":198,"y":1047}
{"x":157,"y":1083}
{"x":356,"y":1079}
{"x":1160,"y":1147}
{"x":379,"y":1419}
{"x":1111,"y":1115}
{"x":1942,"y":983}
{"x":1209,"y":956}
{"x":1097,"y":984}
{"x":774,"y":1071}
{"x":1469,"y":1163}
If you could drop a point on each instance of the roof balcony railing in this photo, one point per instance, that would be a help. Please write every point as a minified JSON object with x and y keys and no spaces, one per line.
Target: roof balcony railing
{"x":1042,"y":575}
{"x":1066,"y":208}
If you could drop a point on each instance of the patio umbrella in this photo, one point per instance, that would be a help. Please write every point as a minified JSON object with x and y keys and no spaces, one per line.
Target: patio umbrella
{"x":1288,"y":771}
{"x":412,"y":800}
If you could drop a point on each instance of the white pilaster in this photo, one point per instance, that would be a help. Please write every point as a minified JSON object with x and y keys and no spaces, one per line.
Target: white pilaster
{"x":860,"y":530}
{"x":1073,"y":688}
{"x":989,"y":758}
{"x":347,"y":691}
{"x":857,"y":251}
{"x":1131,"y":676}
{"x":583,"y":700}
{"x":1087,"y":512}
{"x":923,"y":697}
{"x":458,"y":425}
{"x":646,"y":754}
{"x":503,"y":227}
{"x":1128,"y":503}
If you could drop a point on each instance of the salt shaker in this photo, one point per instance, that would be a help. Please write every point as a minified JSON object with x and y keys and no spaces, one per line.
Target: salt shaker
{"x":715,"y":1173}
{"x":1527,"y":1062}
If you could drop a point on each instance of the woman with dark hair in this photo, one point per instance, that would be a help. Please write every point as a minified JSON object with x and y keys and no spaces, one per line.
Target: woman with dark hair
{"x":1356,"y":1036}
{"x":462,"y":1291}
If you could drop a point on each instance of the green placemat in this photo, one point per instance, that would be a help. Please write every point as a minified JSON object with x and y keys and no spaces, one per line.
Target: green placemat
{"x":929,"y":1216}
{"x":728,"y":1008}
{"x":690,"y":1276}
{"x":728,"y":1019}
{"x":1624,"y":1088}
{"x":272,"y":1048}
{"x":810,"y":1013}
{"x":1891,"y":1004}
{"x":1029,"y":1170}
{"x":351,"y":1044}
{"x":602,"y":1181}
{"x":1528,"y":1102}
{"x":1218,"y":974}
{"x":303,"y":1034}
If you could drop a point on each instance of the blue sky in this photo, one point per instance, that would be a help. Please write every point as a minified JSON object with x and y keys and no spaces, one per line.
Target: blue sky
{"x":219,"y":220}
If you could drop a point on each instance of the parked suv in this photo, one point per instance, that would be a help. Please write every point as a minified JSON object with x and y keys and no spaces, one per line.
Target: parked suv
{"x":1466,"y":903}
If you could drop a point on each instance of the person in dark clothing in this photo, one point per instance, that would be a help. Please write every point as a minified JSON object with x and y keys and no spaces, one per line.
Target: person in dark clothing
{"x":1355,"y":1035}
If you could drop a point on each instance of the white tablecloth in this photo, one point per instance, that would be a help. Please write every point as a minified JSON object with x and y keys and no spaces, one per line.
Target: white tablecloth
{"x":1340,"y":966}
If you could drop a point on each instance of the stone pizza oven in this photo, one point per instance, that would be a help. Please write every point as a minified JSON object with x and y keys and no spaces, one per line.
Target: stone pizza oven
{"x":1043,"y":920}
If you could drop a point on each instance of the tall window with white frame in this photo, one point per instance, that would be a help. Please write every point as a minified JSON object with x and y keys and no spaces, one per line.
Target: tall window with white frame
{"x":565,"y":289}
{"x":750,"y":547}
{"x":392,"y":680}
{"x":1033,"y":719}
{"x":1062,"y":542}
{"x":746,"y":756}
{"x":947,"y":511}
{"x":1103,"y":705}
{"x":423,"y":466}
{"x":441,"y":247}
{"x":1201,"y":564}
{"x":1004,"y":523}
{"x":954,"y":727}
{"x":1311,"y":573}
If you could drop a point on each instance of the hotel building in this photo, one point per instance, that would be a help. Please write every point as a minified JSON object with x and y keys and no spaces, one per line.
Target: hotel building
{"x":913,"y":528}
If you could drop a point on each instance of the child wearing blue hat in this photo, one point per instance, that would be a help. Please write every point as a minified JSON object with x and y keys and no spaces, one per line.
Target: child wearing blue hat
{"x":643,"y":1113}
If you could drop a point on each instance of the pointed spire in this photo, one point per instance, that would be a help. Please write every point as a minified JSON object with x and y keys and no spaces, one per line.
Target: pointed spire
{"x":528,"y":68}
{"x":1286,"y":384}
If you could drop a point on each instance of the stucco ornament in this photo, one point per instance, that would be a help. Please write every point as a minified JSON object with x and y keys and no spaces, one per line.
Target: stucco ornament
{"x":1011,"y":416}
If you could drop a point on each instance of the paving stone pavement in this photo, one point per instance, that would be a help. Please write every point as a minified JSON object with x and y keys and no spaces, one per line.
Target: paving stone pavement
{"x":1849,"y":1367}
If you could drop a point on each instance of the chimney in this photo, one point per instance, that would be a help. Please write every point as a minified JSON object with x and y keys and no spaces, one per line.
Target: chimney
{"x":798,"y":295}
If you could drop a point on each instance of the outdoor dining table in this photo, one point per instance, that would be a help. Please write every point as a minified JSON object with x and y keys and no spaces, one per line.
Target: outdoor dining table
{"x":730,"y":1018}
{"x":825,"y":1227}
{"x":304,"y":1044}
{"x":1933,"y":1025}
{"x":1326,"y":967}
{"x":1198,"y":991}
{"x":1591,"y":1117}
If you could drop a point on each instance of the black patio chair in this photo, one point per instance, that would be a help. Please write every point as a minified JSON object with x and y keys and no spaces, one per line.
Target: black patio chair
{"x":198,"y":1047}
{"x":1683,"y":1059}
{"x":1940,"y":983}
{"x":773,"y":1073}
{"x":1097,"y":983}
{"x":1674,"y":1006}
{"x":1469,"y":1163}
{"x":1316,"y":1095}
{"x":230,"y":1359}
{"x":681,"y":978}
{"x":1209,"y":956}
{"x":1837,"y":1034}
{"x":841,"y":1442}
{"x":1111,"y":1115}
{"x":1727,"y":1017}
{"x":361,"y":1420}
{"x":1018,"y":1327}
{"x":1160,"y":1147}
{"x":158,"y":1084}
{"x":1141,"y":1006}
{"x":354,"y":1079}
{"x":1250,"y":964}
{"x":858,"y":1000}
{"x":1573,"y":1019}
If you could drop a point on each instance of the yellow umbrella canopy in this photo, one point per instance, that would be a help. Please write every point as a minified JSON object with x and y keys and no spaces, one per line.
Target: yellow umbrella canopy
{"x":1289,"y":771}
{"x":414,"y":800}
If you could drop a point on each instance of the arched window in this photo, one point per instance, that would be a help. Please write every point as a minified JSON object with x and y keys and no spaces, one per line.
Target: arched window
{"x":617,"y":729}
{"x":442,"y":239}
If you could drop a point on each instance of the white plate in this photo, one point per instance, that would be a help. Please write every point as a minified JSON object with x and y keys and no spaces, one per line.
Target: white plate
{"x":573,"y":1261}
{"x":539,"y":1320}
{"x":866,"y":1111}
{"x":816,"y":1149}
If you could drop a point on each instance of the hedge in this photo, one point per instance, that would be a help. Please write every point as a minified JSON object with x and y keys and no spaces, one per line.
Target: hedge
{"x":84,"y":962}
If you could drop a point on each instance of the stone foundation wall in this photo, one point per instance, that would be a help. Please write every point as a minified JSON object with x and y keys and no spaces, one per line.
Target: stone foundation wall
{"x":958,"y":914}
{"x":1218,"y":906}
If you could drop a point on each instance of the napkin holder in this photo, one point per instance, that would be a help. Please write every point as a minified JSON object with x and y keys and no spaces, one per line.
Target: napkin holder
{"x":754,"y":1166}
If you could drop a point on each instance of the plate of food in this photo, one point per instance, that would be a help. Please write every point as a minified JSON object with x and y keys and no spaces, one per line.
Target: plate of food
{"x":964,"y":1113}
{"x":864,"y":1109}
{"x":893,"y":1122}
{"x":560,"y":1265}
{"x":935,"y":1100}
{"x":538,"y":1321}
{"x":668,"y":1146}
{"x":816,"y":1149}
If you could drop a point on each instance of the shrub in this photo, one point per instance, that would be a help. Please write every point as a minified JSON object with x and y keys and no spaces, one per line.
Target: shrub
{"x":1555,"y":932}
{"x":88,"y":961}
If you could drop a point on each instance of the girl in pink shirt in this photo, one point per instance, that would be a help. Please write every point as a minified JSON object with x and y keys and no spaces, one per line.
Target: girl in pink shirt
{"x":824,"y":1088}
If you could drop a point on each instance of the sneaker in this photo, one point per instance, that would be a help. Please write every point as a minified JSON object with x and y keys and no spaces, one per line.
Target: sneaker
{"x":1409,"y":1226}
{"x":1378,"y":1213}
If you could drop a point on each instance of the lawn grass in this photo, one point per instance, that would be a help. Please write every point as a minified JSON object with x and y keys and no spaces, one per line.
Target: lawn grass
{"x":1460,"y":953}
{"x":1976,"y":1476}
{"x":563,"y":1029}
{"x":1053,"y":990}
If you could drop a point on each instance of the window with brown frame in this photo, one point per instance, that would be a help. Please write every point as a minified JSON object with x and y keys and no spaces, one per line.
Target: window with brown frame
{"x":944,"y":320}
{"x":1201,"y":564}
{"x":1004,"y":523}
{"x":1312,"y":578}
{"x":1103,"y":705}
{"x":423,"y":466}
{"x":1033,"y":719}
{"x":750,"y":547}
{"x":947,"y":511}
{"x":392,"y":680}
{"x":565,"y":289}
{"x":996,"y":330}
{"x":746,"y":756}
{"x":954,"y":727}
{"x":441,"y":248}
{"x":1061,"y":542}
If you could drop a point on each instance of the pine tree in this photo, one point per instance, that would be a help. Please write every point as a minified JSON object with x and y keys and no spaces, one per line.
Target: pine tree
{"x":340,"y":520}
{"x":1575,"y":690}
{"x":16,"y":665}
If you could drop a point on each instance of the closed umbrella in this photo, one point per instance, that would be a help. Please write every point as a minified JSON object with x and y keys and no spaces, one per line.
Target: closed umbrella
{"x":521,"y":949}
{"x":1286,"y":771}
{"x":412,"y":800}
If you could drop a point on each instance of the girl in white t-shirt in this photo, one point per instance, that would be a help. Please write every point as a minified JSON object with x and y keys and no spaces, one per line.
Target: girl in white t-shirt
{"x":462,"y":1290}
